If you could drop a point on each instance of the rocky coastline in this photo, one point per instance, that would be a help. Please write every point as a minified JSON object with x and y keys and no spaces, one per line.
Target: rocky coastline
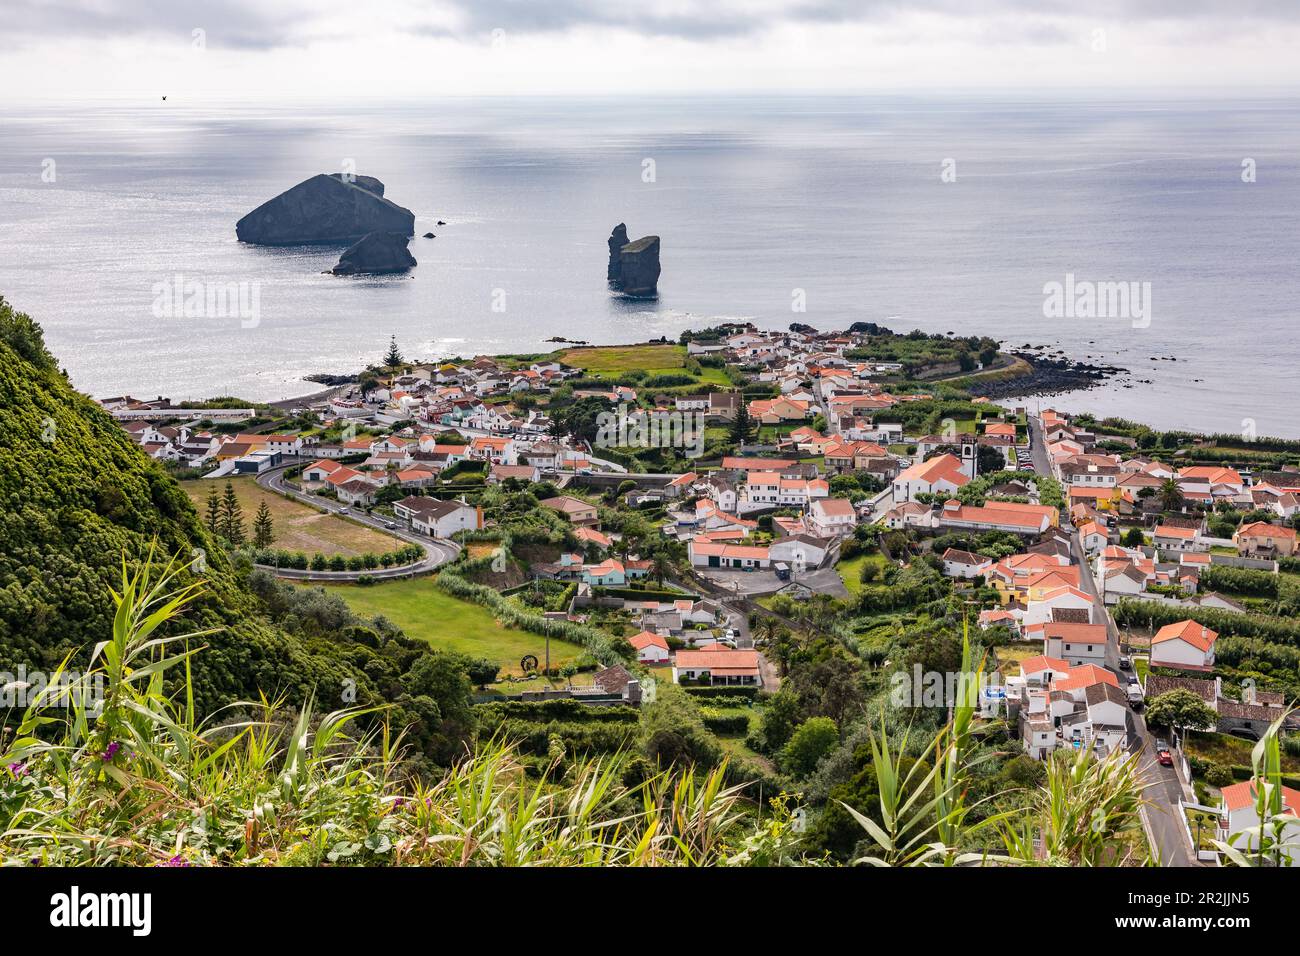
{"x":1050,"y":375}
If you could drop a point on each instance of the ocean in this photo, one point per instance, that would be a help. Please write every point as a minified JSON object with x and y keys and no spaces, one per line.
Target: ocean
{"x":911,"y":212}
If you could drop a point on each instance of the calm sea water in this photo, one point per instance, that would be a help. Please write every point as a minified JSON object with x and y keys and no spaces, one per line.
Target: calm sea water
{"x":755,"y":199}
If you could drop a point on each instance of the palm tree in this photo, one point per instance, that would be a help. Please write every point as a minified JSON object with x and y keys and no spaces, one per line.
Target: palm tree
{"x":1171,"y":496}
{"x":660,"y":566}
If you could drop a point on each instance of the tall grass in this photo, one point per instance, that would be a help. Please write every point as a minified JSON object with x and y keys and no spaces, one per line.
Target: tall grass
{"x":1272,"y":841}
{"x":138,"y":778}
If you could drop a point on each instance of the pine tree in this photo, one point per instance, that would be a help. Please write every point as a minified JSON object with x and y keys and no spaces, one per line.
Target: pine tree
{"x":742,"y":426}
{"x":232,"y":517}
{"x":263,"y":526}
{"x":213,"y":517}
{"x":394,"y":356}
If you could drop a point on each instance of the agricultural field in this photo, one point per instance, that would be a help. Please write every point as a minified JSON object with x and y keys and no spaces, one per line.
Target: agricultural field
{"x":298,"y":527}
{"x":616,"y":361}
{"x":656,"y":359}
{"x":444,"y":622}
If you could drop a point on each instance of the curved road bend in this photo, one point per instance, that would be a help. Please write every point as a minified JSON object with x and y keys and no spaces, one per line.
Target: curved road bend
{"x":437,"y":551}
{"x":1163,"y":789}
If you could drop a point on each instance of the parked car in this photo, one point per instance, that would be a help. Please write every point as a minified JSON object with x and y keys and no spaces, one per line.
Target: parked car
{"x":391,"y":525}
{"x":344,"y":511}
{"x":1125,"y":663}
{"x":1165,"y":758}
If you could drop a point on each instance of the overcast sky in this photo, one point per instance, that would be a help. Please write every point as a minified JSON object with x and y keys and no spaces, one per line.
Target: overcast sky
{"x":275,"y":49}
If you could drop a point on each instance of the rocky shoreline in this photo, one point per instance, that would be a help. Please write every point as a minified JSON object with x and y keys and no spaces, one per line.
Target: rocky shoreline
{"x":1050,"y":376}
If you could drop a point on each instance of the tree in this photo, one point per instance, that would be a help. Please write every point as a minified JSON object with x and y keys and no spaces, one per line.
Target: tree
{"x":1181,"y":710}
{"x":394,"y":356}
{"x":1134,"y":538}
{"x":742,"y":426}
{"x":213,"y":517}
{"x":812,"y":740}
{"x":232,"y":516}
{"x":1171,"y":496}
{"x":660,"y":566}
{"x":263,"y":526}
{"x":988,"y":460}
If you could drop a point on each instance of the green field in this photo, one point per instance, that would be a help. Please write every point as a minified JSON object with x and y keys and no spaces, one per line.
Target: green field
{"x":850,"y":571}
{"x":297,"y":527}
{"x":428,"y":614}
{"x":618,"y":360}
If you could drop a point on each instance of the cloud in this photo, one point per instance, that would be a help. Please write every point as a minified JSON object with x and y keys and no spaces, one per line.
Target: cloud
{"x":234,"y":23}
{"x":256,"y":24}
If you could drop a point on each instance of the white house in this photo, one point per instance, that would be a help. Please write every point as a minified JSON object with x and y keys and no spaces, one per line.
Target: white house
{"x":832,"y":517}
{"x":1186,"y":645}
{"x":439,"y":519}
{"x":650,"y":648}
{"x":940,"y":475}
{"x":1174,"y":538}
{"x":1240,"y":813}
{"x":1076,"y":644}
{"x":800,"y":551}
{"x":717,"y":666}
{"x":963,"y":564}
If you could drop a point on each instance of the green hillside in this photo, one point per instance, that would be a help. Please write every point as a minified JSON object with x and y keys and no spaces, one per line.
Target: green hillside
{"x":77,"y":494}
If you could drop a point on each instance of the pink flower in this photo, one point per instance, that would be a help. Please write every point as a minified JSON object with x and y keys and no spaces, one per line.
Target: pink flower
{"x":19,"y":769}
{"x":111,"y":752}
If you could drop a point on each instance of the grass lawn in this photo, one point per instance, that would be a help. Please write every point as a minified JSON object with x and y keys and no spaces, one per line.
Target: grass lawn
{"x":423,"y":612}
{"x":1010,"y":656}
{"x":1140,"y":666}
{"x":850,"y":571}
{"x":1231,"y":751}
{"x":298,"y":527}
{"x":618,"y":360}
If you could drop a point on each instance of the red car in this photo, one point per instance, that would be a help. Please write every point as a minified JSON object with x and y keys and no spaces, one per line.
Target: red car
{"x":1164,"y":758}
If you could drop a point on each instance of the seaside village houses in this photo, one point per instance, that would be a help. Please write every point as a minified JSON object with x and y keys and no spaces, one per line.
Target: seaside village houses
{"x":766,"y":520}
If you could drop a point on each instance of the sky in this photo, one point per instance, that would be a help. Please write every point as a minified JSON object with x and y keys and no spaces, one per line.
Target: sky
{"x":273,"y":50}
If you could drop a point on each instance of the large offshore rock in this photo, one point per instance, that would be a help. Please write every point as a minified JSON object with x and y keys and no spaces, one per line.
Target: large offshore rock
{"x":634,"y":266}
{"x":617,"y":240}
{"x":325,"y":209}
{"x":379,"y":253}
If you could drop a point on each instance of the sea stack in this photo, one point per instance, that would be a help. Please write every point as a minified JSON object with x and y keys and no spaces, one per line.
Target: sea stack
{"x":328,"y":208}
{"x":633,"y":266}
{"x":379,"y":253}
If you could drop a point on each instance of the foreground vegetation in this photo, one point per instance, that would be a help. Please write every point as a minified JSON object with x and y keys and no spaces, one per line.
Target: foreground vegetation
{"x":137,"y":776}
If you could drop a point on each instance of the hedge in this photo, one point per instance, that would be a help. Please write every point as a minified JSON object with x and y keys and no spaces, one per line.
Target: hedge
{"x":1218,"y":577}
{"x":597,"y":643}
{"x":566,"y":709}
{"x":722,"y":723}
{"x":740,"y":693}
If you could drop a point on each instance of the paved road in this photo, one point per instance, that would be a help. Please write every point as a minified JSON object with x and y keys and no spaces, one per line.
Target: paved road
{"x":1163,"y":789}
{"x":437,"y":551}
